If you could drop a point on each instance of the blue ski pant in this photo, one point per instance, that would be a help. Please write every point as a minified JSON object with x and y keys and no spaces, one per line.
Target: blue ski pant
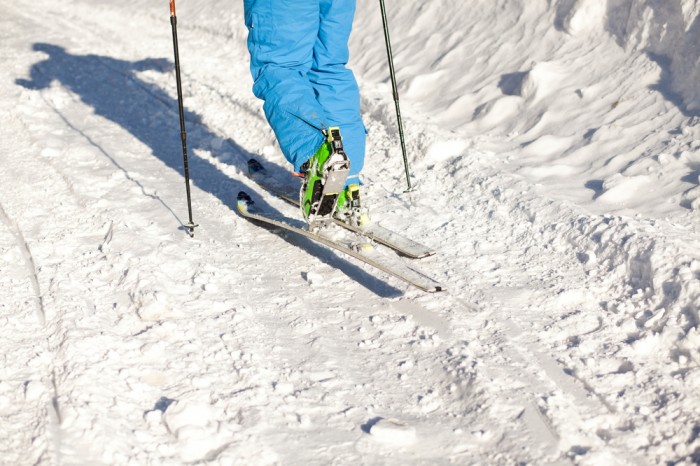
{"x":298,"y":57}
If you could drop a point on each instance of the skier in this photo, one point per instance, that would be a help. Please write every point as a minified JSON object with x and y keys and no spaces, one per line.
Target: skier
{"x":298,"y":57}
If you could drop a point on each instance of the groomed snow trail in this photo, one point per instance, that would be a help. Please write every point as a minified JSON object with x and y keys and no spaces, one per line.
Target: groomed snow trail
{"x":126,"y":342}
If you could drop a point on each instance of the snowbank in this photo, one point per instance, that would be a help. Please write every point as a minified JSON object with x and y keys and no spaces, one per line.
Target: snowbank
{"x":613,"y":83}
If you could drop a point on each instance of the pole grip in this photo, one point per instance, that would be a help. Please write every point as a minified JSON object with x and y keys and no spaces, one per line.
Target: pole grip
{"x":172,"y":8}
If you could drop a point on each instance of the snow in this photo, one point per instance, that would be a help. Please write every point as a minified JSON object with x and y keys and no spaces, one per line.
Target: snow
{"x":555,"y":150}
{"x":393,"y":432}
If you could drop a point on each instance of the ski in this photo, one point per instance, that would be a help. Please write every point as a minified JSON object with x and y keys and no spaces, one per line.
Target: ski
{"x":373,"y":231}
{"x":363,"y":252}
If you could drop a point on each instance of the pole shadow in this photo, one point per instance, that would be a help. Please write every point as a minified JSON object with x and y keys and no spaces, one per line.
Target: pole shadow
{"x":113,"y":90}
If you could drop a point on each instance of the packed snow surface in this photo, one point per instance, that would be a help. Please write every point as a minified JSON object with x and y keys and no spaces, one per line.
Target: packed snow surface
{"x":556,"y":153}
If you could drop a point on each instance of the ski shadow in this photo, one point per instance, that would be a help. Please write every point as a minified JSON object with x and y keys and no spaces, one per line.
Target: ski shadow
{"x":112,"y":88}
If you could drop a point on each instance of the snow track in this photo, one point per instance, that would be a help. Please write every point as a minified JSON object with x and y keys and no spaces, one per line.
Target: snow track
{"x":565,"y":338}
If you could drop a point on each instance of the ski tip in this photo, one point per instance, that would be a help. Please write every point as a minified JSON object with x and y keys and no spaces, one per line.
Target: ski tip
{"x":243,"y":199}
{"x":434,"y":286}
{"x":433,"y":289}
{"x":254,"y":167}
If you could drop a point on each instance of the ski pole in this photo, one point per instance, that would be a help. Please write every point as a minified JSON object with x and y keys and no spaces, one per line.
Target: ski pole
{"x":183,"y":133}
{"x":396,"y":92}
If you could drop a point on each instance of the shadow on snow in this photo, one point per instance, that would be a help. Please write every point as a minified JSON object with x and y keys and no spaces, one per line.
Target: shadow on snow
{"x":111,"y":87}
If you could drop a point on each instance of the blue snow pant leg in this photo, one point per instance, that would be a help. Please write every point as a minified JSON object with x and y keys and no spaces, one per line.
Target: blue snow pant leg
{"x":298,"y":51}
{"x":335,"y":85}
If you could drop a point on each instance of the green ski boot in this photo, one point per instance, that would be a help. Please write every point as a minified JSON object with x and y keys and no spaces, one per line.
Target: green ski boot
{"x":349,"y":208}
{"x":325,"y":174}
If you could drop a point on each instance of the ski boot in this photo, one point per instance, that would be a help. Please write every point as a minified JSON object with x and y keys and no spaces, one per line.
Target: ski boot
{"x":349,"y":208}
{"x":324,"y":174}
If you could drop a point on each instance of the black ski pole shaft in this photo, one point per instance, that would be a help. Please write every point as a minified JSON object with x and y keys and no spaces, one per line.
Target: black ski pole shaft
{"x":183,"y":133}
{"x":394,"y":87}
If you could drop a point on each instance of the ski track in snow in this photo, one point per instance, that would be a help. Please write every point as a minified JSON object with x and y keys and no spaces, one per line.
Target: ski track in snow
{"x":126,"y":342}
